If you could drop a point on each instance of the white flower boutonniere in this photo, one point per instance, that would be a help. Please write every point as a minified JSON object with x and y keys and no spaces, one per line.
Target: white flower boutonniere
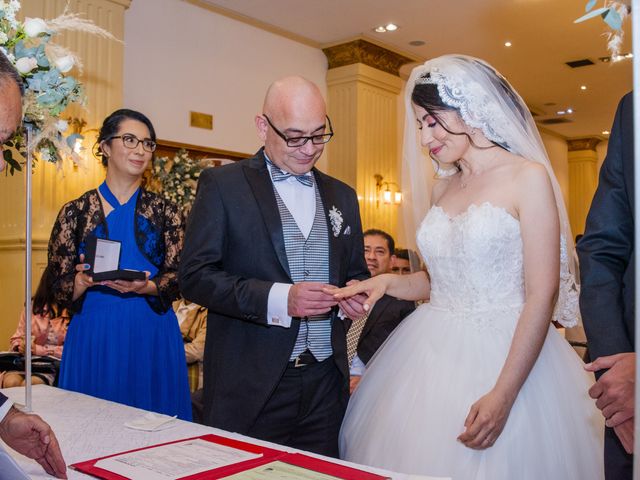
{"x":335,"y":216}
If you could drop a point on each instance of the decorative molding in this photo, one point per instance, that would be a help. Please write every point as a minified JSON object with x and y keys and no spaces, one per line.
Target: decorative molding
{"x":169,"y":147}
{"x":588,"y":143}
{"x":18,"y":244}
{"x":253,"y":22}
{"x":368,"y":53}
{"x":363,"y":74}
{"x":125,"y":3}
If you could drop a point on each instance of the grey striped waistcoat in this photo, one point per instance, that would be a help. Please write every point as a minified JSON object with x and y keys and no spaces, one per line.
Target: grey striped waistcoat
{"x":308,"y":262}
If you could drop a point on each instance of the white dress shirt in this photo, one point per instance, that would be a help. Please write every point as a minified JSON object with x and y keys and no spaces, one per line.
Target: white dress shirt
{"x":300,"y":200}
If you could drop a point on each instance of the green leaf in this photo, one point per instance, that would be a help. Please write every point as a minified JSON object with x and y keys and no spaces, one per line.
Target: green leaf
{"x":613,"y":19}
{"x":590,"y":5}
{"x":592,"y":14}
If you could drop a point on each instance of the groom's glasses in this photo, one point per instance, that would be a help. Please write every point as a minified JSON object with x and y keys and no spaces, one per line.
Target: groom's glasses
{"x":300,"y":141}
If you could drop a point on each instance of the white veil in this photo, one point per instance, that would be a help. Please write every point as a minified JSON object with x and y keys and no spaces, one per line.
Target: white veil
{"x":486,"y":101}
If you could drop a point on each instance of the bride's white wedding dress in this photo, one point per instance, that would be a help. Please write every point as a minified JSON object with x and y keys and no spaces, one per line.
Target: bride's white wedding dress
{"x":411,"y":404}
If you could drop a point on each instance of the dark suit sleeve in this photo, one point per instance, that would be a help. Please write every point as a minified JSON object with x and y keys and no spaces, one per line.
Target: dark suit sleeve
{"x":357,"y":264}
{"x":606,"y":250}
{"x":389,"y":319}
{"x":202,"y":277}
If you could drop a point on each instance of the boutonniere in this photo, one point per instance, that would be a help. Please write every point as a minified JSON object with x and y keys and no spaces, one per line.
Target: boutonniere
{"x":335,"y":216}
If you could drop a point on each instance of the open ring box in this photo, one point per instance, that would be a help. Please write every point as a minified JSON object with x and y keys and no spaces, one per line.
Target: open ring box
{"x":103,"y":256}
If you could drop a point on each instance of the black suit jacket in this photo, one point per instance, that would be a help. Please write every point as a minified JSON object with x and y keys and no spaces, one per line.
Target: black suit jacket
{"x":606,"y":249}
{"x":234,"y":251}
{"x":385,"y":316}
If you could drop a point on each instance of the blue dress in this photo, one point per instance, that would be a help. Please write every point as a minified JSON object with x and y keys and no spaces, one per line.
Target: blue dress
{"x":117,"y":348}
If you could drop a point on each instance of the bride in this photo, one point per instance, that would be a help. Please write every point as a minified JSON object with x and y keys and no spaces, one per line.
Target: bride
{"x":477,"y":383}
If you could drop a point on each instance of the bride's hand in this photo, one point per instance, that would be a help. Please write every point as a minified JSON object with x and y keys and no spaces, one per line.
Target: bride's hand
{"x":487,"y":417}
{"x":374,"y":288}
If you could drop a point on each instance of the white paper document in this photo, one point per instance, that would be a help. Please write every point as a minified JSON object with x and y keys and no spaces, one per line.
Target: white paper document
{"x":152,"y":422}
{"x":280,"y":471}
{"x":177,"y":460}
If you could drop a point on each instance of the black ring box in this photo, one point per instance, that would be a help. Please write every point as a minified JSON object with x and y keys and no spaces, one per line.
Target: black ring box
{"x":103,"y":257}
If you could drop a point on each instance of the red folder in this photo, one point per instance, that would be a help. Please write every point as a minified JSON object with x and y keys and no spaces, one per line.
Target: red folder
{"x":268,"y":455}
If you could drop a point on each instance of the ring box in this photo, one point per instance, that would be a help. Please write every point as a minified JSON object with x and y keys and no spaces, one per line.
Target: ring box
{"x":103,"y":256}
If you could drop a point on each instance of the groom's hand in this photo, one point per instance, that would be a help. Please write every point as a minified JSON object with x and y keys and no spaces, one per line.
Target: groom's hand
{"x":615,"y":389}
{"x":308,"y":298}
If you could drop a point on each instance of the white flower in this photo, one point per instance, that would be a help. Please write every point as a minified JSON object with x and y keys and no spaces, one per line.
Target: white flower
{"x":62,"y":125}
{"x":64,"y":64}
{"x":3,"y":38}
{"x":335,"y":216}
{"x":25,"y":64}
{"x":34,"y":26}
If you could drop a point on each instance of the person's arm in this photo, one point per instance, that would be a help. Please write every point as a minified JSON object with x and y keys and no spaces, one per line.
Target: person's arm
{"x":32,"y":437}
{"x":606,"y":248}
{"x":63,"y":257}
{"x":194,"y":349}
{"x":203,"y":279}
{"x":18,"y":336}
{"x":540,"y":230}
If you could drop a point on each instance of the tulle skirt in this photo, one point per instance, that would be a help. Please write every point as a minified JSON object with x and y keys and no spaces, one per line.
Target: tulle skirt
{"x":412,"y":402}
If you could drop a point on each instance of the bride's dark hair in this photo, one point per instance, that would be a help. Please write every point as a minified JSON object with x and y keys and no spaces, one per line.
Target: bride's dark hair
{"x":426,"y":95}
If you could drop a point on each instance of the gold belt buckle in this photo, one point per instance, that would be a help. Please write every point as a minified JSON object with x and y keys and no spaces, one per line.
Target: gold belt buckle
{"x":298,"y":363}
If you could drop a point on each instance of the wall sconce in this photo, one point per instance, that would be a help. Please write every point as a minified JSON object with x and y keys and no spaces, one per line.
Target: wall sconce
{"x":388,"y":196}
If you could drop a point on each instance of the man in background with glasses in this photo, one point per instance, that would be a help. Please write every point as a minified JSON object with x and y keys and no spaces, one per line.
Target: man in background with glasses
{"x":265,"y":236}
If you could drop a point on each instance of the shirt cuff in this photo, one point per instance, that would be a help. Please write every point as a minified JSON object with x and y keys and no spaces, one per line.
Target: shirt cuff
{"x":4,"y":409}
{"x":357,"y":367}
{"x":277,"y":312}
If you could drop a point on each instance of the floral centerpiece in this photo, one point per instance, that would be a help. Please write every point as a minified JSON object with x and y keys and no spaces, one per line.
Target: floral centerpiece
{"x":176,"y":179}
{"x":49,"y":88}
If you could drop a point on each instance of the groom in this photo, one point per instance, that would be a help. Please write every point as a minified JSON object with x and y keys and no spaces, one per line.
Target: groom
{"x":265,"y":235}
{"x":607,"y":300}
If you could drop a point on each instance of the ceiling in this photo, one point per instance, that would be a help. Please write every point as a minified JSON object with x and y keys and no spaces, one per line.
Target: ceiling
{"x":542,"y":33}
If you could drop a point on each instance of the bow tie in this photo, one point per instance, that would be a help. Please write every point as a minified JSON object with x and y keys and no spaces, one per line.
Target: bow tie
{"x":278,"y":175}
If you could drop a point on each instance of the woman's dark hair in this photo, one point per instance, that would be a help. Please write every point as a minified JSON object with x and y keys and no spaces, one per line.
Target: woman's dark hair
{"x":426,"y":95}
{"x":111,"y":125}
{"x":44,"y":299}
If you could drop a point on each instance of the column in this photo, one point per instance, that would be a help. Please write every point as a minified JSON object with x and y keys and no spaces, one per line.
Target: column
{"x":583,"y":180}
{"x":363,"y":87}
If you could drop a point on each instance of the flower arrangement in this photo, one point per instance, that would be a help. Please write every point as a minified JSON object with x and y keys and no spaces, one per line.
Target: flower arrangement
{"x":613,"y":13}
{"x":49,"y":88}
{"x":176,"y":179}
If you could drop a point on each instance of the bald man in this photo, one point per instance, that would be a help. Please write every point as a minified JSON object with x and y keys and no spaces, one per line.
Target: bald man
{"x":265,"y":235}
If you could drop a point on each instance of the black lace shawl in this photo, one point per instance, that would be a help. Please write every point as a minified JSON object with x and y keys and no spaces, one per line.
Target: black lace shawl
{"x":159,"y":234}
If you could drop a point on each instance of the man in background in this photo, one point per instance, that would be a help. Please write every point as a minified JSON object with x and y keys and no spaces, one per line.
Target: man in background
{"x":369,"y":332}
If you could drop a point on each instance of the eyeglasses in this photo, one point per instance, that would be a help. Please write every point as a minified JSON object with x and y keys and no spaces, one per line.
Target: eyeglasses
{"x":300,"y":141}
{"x":131,"y":141}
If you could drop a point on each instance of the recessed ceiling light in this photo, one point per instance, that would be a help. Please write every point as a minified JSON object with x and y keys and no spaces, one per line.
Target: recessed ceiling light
{"x":391,"y":27}
{"x":417,"y":43}
{"x":583,"y":87}
{"x":569,"y":110}
{"x":380,"y":29}
{"x":507,"y":44}
{"x":561,"y":112}
{"x":605,"y":132}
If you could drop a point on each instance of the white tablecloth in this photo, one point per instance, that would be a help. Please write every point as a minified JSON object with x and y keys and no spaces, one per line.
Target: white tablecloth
{"x":88,"y":427}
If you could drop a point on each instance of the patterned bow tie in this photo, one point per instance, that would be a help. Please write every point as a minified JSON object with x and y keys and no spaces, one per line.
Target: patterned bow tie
{"x":278,"y":175}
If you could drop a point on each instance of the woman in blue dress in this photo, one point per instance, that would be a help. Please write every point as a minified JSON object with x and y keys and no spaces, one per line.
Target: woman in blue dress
{"x":124,"y":342}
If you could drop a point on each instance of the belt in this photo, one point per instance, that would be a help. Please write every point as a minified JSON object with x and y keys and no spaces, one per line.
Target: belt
{"x":302,"y":360}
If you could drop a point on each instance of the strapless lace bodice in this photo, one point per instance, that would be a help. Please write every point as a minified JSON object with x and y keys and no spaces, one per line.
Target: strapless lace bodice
{"x":475,"y":259}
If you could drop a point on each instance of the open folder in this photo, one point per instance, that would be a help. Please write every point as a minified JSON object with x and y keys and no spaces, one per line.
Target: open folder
{"x":223,"y":457}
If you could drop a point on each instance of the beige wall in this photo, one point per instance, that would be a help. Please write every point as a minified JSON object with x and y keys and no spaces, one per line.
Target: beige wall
{"x":195,"y":59}
{"x":102,"y":79}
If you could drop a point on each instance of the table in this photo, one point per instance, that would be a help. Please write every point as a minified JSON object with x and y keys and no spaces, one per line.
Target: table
{"x":88,"y":427}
